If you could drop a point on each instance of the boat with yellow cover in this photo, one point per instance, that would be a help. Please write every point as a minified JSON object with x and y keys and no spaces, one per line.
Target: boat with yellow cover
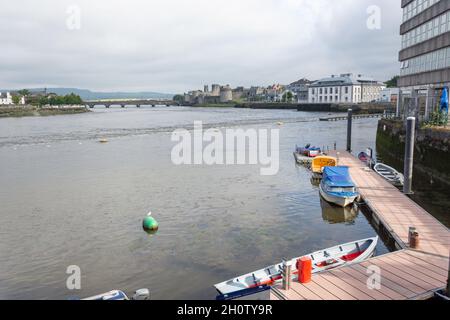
{"x":321,"y":162}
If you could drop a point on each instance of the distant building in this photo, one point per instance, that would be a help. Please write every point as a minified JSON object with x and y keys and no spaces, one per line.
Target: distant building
{"x":389,"y":95}
{"x":5,"y":98}
{"x":226,"y":94}
{"x":346,"y":88}
{"x":301,"y":89}
{"x":424,"y":57}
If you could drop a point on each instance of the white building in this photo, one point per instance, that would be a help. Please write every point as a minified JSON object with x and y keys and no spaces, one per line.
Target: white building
{"x":389,"y":95}
{"x":346,"y":88}
{"x":5,"y":98}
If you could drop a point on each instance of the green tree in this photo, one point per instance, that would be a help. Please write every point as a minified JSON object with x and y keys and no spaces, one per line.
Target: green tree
{"x":393,"y":82}
{"x":287,"y":97}
{"x":178,"y":98}
{"x":16,"y":99}
{"x":24,"y":92}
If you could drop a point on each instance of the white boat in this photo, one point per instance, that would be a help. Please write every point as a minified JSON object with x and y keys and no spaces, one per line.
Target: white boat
{"x":141,"y":294}
{"x":390,"y":174}
{"x":337,"y":187}
{"x":331,"y":258}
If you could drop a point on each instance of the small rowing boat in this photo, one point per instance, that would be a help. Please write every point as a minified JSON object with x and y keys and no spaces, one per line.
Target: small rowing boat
{"x":323,"y":260}
{"x":117,"y":295}
{"x":319,"y":163}
{"x":337,"y":187}
{"x":390,"y":174}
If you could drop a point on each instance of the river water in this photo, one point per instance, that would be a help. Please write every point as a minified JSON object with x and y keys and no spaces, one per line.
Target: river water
{"x":68,"y":200}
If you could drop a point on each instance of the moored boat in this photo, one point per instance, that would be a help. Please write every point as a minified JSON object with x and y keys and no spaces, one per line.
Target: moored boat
{"x":323,"y":260}
{"x":337,"y":187}
{"x":390,"y":174}
{"x":319,"y":163}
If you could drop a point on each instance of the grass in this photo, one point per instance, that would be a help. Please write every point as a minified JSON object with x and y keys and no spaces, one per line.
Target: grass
{"x":29,"y":111}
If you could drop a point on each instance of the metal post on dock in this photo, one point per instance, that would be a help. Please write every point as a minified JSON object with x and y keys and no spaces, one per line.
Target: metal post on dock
{"x":349,"y":130}
{"x":409,"y":154}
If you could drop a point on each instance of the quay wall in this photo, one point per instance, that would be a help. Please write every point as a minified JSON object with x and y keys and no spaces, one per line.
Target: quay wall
{"x":431,"y":154}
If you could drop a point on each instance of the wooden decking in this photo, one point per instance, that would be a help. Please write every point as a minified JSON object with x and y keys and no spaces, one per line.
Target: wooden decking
{"x":405,"y":274}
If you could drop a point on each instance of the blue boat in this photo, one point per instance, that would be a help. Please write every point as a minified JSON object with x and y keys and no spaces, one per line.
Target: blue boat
{"x":337,"y":187}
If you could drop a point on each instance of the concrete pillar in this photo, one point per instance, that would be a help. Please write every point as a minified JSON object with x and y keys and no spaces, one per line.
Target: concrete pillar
{"x":409,"y":154}
{"x":349,"y":130}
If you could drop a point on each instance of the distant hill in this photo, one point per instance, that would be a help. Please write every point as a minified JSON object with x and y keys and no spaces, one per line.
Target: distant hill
{"x":92,"y":95}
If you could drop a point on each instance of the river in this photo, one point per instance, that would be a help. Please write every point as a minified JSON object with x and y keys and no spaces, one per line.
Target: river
{"x":67,"y":199}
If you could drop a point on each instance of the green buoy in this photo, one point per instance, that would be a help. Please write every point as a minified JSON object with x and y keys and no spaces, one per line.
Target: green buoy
{"x":150,"y":224}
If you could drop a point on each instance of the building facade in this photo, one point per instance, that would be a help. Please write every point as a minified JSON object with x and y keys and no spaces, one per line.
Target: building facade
{"x":5,"y":98}
{"x":424,"y":56}
{"x":345,"y":88}
{"x":300,"y":88}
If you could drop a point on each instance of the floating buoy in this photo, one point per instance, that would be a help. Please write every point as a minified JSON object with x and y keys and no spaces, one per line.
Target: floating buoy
{"x":103,"y":141}
{"x":150,"y":224}
{"x":280,"y":123}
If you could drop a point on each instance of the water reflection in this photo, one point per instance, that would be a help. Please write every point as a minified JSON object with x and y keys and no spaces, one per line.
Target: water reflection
{"x":334,"y":214}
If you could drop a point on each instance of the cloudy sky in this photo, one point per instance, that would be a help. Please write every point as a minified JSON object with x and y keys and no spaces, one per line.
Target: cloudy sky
{"x":178,"y":45}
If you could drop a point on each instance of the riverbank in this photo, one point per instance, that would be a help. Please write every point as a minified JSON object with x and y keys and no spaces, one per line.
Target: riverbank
{"x":361,"y":108}
{"x":32,"y":111}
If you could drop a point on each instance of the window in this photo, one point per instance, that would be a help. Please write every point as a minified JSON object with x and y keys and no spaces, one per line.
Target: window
{"x":326,"y":90}
{"x":320,"y":91}
{"x":336,"y":98}
{"x":346,"y":90}
{"x":432,"y":28}
{"x":416,"y":7}
{"x":435,"y":60}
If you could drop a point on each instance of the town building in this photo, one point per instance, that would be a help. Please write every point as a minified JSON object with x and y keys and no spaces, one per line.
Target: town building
{"x":300,"y":88}
{"x":389,"y":95}
{"x":345,"y":88}
{"x":5,"y":98}
{"x":424,"y":56}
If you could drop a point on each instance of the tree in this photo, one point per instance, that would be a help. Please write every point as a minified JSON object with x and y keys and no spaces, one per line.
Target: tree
{"x":287,"y":97}
{"x":178,"y":98}
{"x":393,"y":82}
{"x":24,"y":92}
{"x":16,"y":99}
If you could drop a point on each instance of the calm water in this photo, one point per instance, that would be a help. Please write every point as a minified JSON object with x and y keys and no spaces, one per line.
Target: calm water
{"x":68,"y":200}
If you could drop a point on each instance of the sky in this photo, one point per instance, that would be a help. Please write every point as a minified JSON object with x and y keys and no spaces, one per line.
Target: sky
{"x":174,"y":46}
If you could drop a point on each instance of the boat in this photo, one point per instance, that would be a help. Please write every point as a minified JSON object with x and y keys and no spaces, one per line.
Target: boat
{"x":308,"y":151}
{"x":118,"y":295}
{"x":390,"y":174}
{"x":349,"y":253}
{"x":363,"y":157}
{"x":320,"y":162}
{"x":337,"y":187}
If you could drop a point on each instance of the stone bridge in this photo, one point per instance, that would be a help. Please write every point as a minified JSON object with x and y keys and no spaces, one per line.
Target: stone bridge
{"x":123,"y":103}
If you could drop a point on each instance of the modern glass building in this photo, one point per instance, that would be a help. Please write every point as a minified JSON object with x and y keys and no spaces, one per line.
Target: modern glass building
{"x":424,"y":55}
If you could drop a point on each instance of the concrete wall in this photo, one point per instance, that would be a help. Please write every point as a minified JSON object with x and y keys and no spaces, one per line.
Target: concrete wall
{"x":432,"y":156}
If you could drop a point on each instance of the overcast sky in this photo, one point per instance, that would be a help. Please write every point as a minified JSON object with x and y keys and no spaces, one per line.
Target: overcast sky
{"x":178,"y":45}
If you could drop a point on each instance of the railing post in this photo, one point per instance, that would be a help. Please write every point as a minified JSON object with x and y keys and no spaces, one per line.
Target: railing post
{"x":349,"y":130}
{"x":399,"y":103}
{"x":409,"y":154}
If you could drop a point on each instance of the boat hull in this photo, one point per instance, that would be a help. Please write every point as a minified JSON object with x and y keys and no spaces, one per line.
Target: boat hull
{"x":341,"y":201}
{"x":338,"y":256}
{"x":389,"y":174}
